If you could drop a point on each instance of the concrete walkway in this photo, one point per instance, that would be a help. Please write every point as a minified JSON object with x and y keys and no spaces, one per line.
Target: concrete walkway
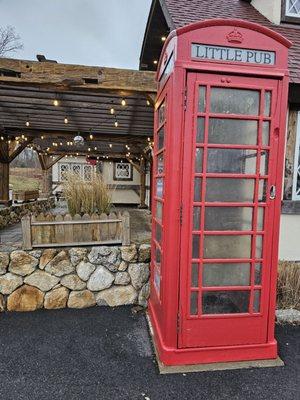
{"x":102,"y":353}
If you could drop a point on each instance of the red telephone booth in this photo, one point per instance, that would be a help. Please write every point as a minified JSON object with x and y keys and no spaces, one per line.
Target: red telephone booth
{"x":218,"y":167}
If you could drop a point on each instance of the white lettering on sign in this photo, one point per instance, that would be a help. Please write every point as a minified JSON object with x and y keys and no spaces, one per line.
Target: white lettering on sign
{"x":220,"y":53}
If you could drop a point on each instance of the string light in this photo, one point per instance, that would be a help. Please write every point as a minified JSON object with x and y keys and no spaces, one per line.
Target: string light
{"x":116,"y":123}
{"x":163,"y":38}
{"x":2,"y":138}
{"x":27,"y":123}
{"x":55,"y":102}
{"x":148,"y":103}
{"x":112,"y":110}
{"x":23,"y":136}
{"x":66,"y":120}
{"x":155,"y":62}
{"x":123,"y":102}
{"x":91,"y":136}
{"x":110,"y":145}
{"x":42,"y":137}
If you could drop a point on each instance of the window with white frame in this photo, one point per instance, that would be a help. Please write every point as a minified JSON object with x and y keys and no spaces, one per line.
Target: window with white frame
{"x":82,"y":170}
{"x":296,"y":181}
{"x":292,"y":8}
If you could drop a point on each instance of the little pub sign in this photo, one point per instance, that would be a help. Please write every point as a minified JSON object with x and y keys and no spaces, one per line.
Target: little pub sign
{"x":232,"y":54}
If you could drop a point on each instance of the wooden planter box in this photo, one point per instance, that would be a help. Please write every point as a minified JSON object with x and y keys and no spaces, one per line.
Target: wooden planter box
{"x":25,"y":195}
{"x":48,"y":230}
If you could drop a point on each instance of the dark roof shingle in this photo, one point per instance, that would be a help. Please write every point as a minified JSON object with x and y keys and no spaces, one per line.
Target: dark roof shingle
{"x":184,"y":12}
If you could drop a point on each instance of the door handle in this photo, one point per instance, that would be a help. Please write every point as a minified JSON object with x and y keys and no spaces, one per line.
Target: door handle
{"x":272,"y":192}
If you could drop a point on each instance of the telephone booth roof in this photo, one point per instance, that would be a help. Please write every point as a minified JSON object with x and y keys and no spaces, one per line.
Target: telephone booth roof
{"x":234,"y":33}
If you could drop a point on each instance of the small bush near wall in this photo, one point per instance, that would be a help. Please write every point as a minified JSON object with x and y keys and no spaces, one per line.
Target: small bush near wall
{"x":13,"y":214}
{"x":288,"y":285}
{"x":74,"y":278}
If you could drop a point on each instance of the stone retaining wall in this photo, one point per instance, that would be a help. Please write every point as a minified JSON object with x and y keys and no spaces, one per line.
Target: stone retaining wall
{"x":75,"y":278}
{"x":13,"y":214}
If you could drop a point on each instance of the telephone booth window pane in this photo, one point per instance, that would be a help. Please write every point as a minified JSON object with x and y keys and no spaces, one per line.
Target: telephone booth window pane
{"x":264,"y":162}
{"x":227,"y":246}
{"x":157,"y":281}
{"x":194,"y":303}
{"x":234,"y":101}
{"x":159,"y":187}
{"x":262,"y":190}
{"x":228,"y":218}
{"x":198,"y":160}
{"x":232,"y":161}
{"x":157,"y":256}
{"x":260,"y":218}
{"x":195,"y":275}
{"x":160,"y":164}
{"x":226,"y":302}
{"x":266,"y":133}
{"x":200,"y":130}
{"x":159,"y":210}
{"x":202,"y":99}
{"x":158,"y":233}
{"x":226,"y":274}
{"x":196,"y":218}
{"x":267,"y":111}
{"x":257,"y":275}
{"x":197,"y":189}
{"x":259,"y":246}
{"x":196,"y":246}
{"x":256,"y":301}
{"x":161,"y":137}
{"x":232,"y":131}
{"x":230,"y":190}
{"x":161,"y":114}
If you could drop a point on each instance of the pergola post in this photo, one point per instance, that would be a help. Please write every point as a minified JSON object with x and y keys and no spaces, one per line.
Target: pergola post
{"x":4,"y":173}
{"x":46,"y":164}
{"x":142,"y":183}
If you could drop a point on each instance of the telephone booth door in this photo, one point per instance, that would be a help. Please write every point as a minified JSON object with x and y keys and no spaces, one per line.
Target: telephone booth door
{"x":229,"y":187}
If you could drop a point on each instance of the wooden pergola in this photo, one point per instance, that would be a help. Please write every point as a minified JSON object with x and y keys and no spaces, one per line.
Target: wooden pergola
{"x":45,"y":105}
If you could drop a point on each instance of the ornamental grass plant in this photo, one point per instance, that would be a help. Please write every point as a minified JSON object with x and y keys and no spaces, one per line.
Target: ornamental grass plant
{"x":86,"y":197}
{"x":288,"y":285}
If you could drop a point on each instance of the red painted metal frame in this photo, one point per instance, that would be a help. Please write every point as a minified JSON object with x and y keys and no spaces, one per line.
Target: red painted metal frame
{"x":168,"y":312}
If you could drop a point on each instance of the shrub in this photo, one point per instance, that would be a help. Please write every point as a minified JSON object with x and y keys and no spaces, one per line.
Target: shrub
{"x":288,"y":285}
{"x":86,"y":197}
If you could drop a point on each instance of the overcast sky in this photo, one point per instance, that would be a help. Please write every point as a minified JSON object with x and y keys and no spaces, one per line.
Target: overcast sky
{"x":90,"y":32}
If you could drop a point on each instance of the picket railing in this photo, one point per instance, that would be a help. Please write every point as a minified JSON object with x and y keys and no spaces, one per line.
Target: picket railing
{"x":48,"y":230}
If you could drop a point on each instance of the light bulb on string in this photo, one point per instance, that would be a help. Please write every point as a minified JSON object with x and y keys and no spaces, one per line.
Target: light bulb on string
{"x":116,"y":123}
{"x":123,"y":102}
{"x":66,"y":120}
{"x":55,"y":102}
{"x":112,"y":111}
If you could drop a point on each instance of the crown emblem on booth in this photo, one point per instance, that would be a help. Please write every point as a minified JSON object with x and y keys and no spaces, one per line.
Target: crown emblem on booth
{"x":235,"y":36}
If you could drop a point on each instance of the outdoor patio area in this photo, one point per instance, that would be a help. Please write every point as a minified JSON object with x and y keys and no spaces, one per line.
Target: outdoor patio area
{"x":104,"y":353}
{"x":140,"y":227}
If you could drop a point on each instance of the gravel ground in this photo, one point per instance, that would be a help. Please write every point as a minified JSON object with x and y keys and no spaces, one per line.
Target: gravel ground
{"x":104,"y":353}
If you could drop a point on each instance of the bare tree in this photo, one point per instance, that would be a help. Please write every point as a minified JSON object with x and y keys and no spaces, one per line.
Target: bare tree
{"x":10,"y":41}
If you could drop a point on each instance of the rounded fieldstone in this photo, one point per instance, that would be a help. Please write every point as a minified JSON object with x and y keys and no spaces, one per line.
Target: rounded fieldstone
{"x":4,"y":261}
{"x":81,"y":299}
{"x":129,"y":253}
{"x":100,"y":279}
{"x":2,"y":303}
{"x":123,"y":266}
{"x":25,"y":298}
{"x":46,"y":257}
{"x":42,"y":280}
{"x":56,"y":298}
{"x":22,"y":263}
{"x":60,"y":265}
{"x":9,"y":282}
{"x":144,"y":253}
{"x":84,"y":270}
{"x":117,"y":296}
{"x":73,"y":282}
{"x":139,"y":274}
{"x":122,"y":278}
{"x":144,"y":295}
{"x":110,"y":257}
{"x":77,"y":254}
